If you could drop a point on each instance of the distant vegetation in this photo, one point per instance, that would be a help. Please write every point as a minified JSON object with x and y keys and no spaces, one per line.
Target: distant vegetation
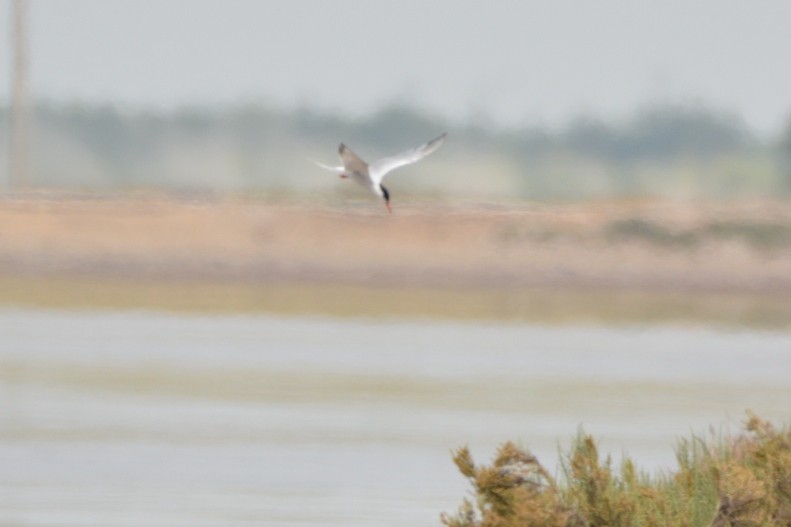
{"x":758,"y":234}
{"x":739,"y":481}
{"x":664,"y":150}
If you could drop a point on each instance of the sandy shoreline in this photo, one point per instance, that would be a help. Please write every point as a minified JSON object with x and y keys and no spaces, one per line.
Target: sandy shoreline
{"x":598,"y":263}
{"x":426,"y":244}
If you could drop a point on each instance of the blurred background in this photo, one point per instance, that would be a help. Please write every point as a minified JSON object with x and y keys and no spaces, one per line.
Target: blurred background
{"x":672,"y":101}
{"x":198,"y":326}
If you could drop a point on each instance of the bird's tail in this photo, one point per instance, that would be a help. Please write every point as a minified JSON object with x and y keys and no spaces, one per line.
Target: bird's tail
{"x":337,"y":170}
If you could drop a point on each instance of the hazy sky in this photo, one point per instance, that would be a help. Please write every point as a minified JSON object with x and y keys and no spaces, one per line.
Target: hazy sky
{"x":517,"y":61}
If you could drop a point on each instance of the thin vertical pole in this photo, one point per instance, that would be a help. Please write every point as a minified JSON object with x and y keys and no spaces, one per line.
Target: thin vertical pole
{"x":20,"y":114}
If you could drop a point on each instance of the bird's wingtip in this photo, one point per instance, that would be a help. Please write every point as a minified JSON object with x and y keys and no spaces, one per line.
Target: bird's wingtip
{"x":437,"y":141}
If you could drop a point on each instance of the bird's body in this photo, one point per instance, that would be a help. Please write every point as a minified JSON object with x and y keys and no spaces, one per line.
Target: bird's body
{"x":371,"y":175}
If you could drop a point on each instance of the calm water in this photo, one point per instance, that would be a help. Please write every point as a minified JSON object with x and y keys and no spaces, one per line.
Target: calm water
{"x":148,"y":419}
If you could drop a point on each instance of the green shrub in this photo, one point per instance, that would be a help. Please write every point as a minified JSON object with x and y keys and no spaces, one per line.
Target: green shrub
{"x":737,"y":481}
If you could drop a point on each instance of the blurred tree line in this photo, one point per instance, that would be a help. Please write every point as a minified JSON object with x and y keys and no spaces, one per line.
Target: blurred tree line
{"x":663,"y":150}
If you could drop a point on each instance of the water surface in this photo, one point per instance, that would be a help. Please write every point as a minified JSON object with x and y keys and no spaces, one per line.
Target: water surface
{"x":122,"y":418}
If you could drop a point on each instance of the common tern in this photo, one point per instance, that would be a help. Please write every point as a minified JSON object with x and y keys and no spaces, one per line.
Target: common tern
{"x":370,"y":175}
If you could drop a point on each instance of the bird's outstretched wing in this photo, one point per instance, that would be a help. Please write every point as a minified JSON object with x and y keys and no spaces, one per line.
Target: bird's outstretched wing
{"x":379,"y":169}
{"x":351,"y":161}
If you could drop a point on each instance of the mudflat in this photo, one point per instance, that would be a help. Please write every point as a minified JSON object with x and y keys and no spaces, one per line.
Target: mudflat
{"x":743,"y":246}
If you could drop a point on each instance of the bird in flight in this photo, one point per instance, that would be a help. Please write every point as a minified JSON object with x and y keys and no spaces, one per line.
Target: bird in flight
{"x":370,"y":175}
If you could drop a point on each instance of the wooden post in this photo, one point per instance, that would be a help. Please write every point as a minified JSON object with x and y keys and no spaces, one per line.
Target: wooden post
{"x":20,"y":115}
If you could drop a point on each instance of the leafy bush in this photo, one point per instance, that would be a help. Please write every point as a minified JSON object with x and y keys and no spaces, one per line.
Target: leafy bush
{"x":739,"y":481}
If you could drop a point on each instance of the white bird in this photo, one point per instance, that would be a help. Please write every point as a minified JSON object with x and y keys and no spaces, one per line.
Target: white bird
{"x":370,"y":175}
